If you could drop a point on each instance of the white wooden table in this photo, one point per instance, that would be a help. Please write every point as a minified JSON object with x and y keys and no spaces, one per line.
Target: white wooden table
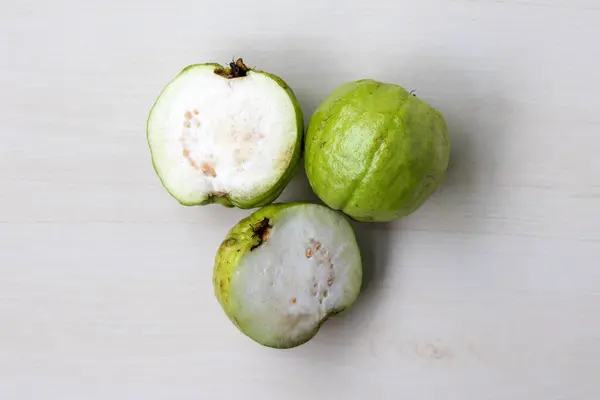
{"x":490,"y":291}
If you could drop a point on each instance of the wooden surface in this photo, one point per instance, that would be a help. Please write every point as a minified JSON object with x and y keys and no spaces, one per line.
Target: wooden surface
{"x":490,"y":291}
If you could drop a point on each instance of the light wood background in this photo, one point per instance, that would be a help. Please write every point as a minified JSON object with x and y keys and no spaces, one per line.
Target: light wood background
{"x":490,"y":291}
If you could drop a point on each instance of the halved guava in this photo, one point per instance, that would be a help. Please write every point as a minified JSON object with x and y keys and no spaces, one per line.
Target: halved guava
{"x":281,"y":272}
{"x":225,"y":135}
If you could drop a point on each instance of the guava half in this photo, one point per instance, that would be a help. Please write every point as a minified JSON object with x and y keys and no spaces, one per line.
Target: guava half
{"x":375,"y":151}
{"x":285,"y":269}
{"x":225,"y":135}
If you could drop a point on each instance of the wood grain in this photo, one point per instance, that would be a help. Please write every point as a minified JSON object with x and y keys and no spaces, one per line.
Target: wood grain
{"x":490,"y":291}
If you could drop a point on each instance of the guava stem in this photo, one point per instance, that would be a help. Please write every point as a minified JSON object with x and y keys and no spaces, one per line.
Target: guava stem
{"x":261,"y":231}
{"x":236,"y":69}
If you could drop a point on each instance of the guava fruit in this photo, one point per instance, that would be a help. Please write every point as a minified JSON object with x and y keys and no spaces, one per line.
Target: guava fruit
{"x":281,"y":272}
{"x":225,"y":135}
{"x":375,"y":151}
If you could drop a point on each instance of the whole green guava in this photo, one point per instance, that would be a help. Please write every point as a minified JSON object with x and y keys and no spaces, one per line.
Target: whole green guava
{"x":375,"y":151}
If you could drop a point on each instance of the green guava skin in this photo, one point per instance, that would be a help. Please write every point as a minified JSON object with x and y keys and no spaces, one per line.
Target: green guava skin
{"x":375,"y":151}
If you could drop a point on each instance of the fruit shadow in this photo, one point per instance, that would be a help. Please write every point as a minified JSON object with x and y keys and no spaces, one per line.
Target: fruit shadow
{"x":377,"y":242}
{"x":478,"y":110}
{"x":299,"y":189}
